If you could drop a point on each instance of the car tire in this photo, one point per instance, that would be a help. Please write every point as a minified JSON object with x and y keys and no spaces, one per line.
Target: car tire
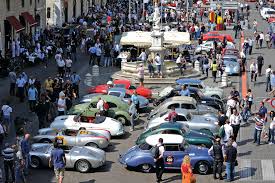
{"x":91,"y":144}
{"x":121,"y":119}
{"x":155,"y":103}
{"x":35,"y":162}
{"x":82,"y":128}
{"x":45,"y":141}
{"x":82,"y":166}
{"x":216,"y":96}
{"x":145,"y":168}
{"x":202,"y":167}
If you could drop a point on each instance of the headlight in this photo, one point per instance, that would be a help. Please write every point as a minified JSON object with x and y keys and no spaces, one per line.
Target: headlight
{"x":236,"y":69}
{"x":216,"y":123}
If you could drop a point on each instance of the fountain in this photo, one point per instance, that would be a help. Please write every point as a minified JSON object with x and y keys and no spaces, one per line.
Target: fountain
{"x":154,"y":42}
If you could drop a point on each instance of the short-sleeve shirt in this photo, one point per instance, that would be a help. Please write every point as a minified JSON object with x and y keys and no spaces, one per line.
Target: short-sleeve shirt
{"x":6,"y":110}
{"x":134,"y":99}
{"x":185,"y":93}
{"x":263,"y":110}
{"x":57,"y":155}
{"x":61,"y":102}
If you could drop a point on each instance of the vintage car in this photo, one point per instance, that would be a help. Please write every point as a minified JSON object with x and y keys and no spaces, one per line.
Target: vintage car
{"x":172,"y":91}
{"x":214,"y":35}
{"x":208,"y":45}
{"x":203,"y":123}
{"x":73,"y":137}
{"x":122,"y":83}
{"x":78,"y":122}
{"x":231,"y":64}
{"x":191,"y":136}
{"x":121,"y":93}
{"x":141,"y":156}
{"x":271,"y":19}
{"x":206,"y":90}
{"x":267,"y":12}
{"x":183,"y":102}
{"x":234,"y":52}
{"x":83,"y":158}
{"x":118,"y":109}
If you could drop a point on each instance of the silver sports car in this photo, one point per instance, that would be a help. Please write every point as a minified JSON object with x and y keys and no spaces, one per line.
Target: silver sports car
{"x":83,"y":159}
{"x":73,"y":137}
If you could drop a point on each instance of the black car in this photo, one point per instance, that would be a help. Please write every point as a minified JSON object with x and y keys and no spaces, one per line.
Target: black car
{"x":196,"y":94}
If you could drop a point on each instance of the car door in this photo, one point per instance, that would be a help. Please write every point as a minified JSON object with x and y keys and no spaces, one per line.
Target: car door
{"x":112,"y":108}
{"x":172,"y":156}
{"x":69,"y":138}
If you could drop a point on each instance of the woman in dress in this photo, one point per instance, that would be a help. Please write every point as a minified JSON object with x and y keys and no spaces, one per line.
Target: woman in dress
{"x":186,"y":170}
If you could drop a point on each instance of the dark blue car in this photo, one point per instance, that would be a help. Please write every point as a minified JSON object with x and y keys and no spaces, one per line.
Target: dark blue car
{"x":141,"y":157}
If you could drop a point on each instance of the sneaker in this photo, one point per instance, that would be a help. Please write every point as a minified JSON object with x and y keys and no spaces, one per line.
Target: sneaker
{"x":270,"y":143}
{"x":131,"y":129}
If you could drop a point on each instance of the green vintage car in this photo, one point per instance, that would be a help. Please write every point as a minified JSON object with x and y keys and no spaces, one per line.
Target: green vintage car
{"x":191,"y":136}
{"x":118,"y":109}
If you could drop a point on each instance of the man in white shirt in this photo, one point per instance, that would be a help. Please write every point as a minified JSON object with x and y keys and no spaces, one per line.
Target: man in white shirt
{"x":253,"y":71}
{"x":61,"y":64}
{"x":268,"y":72}
{"x":158,"y":63}
{"x":61,"y":104}
{"x":68,"y":64}
{"x":100,"y":106}
{"x":142,"y":56}
{"x":6,"y":111}
{"x":20,"y":83}
{"x":228,"y":131}
{"x":261,"y":39}
{"x":159,"y":161}
{"x":235,"y":121}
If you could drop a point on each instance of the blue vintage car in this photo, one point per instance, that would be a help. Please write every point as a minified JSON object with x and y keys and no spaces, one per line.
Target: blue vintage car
{"x":141,"y":157}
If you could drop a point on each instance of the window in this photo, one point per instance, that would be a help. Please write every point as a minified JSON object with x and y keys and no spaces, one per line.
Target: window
{"x":117,"y":94}
{"x":145,"y":146}
{"x":181,"y":118}
{"x":48,"y":12}
{"x":31,"y":2}
{"x":23,"y":3}
{"x":177,"y":105}
{"x":112,"y":105}
{"x":188,"y":106}
{"x":8,"y":5}
{"x":171,"y":147}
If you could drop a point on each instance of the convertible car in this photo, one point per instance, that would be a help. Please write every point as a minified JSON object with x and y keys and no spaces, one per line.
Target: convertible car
{"x":74,"y":138}
{"x":78,"y":122}
{"x":122,"y":93}
{"x":214,"y":35}
{"x":83,"y":159}
{"x":141,"y":156}
{"x":206,"y":90}
{"x":122,"y":83}
{"x":191,"y":136}
{"x":195,"y":93}
{"x":202,"y":123}
{"x":183,"y":102}
{"x":118,"y":109}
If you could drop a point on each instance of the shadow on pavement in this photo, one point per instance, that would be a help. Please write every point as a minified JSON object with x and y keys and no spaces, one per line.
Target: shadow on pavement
{"x":106,"y":168}
{"x":245,"y":173}
{"x":89,"y":181}
{"x":126,"y":135}
{"x":112,"y":147}
{"x":244,"y":142}
{"x":172,"y":179}
{"x":244,"y":154}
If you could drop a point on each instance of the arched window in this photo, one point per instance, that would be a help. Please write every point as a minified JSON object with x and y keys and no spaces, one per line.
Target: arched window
{"x":23,"y":3}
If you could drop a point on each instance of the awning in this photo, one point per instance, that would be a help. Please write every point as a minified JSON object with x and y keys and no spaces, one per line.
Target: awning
{"x":29,"y":18}
{"x":15,"y":23}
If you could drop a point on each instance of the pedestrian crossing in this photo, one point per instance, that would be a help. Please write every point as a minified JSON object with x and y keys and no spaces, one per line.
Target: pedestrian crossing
{"x":251,"y":170}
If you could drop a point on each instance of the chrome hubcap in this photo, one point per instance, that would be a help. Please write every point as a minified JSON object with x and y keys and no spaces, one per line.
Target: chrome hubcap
{"x":203,"y":168}
{"x":145,"y":167}
{"x":82,"y":166}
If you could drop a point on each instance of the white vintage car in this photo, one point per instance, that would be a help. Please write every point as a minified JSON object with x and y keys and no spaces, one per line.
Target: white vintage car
{"x":267,"y":12}
{"x":76,"y":122}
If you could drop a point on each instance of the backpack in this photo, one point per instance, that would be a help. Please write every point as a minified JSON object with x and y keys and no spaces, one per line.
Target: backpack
{"x":156,"y":152}
{"x":222,"y":131}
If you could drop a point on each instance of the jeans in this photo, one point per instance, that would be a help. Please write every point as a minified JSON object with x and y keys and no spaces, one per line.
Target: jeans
{"x":272,"y":133}
{"x":107,"y":61}
{"x":268,"y":84}
{"x":19,"y":174}
{"x":230,"y":170}
{"x":12,"y":89}
{"x":245,"y":114}
{"x":26,"y":158}
{"x":257,"y":136}
{"x":132,"y":121}
{"x":32,"y":104}
{"x":9,"y":170}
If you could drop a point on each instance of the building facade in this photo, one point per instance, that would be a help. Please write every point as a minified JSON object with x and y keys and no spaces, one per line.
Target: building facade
{"x":20,"y":16}
{"x":61,"y":11}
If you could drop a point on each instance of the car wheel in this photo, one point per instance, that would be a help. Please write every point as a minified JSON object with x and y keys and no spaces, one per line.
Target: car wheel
{"x":35,"y":162}
{"x":155,"y":103}
{"x":45,"y":141}
{"x":146,"y":168}
{"x":202,"y":167}
{"x":216,"y":96}
{"x":82,"y":128}
{"x":91,"y":144}
{"x":82,"y":166}
{"x":121,"y":119}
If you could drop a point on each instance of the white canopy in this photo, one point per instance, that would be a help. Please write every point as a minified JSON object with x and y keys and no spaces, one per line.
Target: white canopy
{"x":144,"y":39}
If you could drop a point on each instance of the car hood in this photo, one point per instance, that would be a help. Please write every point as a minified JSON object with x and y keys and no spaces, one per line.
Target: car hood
{"x":206,"y":108}
{"x":99,"y":89}
{"x":77,"y":109}
{"x":197,"y":135}
{"x":60,"y":120}
{"x":216,"y":89}
{"x":204,"y":119}
{"x":40,"y":147}
{"x":134,"y":151}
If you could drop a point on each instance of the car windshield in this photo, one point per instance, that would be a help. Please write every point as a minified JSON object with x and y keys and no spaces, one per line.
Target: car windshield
{"x":117,"y":94}
{"x":99,"y":119}
{"x":270,"y":12}
{"x":230,"y":60}
{"x":145,"y":146}
{"x":120,"y":86}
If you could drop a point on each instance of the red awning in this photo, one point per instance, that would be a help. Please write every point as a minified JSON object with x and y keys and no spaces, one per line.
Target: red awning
{"x":29,"y":18}
{"x":15,"y":23}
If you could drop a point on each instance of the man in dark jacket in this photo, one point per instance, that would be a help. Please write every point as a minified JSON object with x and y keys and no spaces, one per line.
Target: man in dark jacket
{"x":222,"y":118}
{"x":217,"y":152}
{"x":230,"y":159}
{"x":42,"y":110}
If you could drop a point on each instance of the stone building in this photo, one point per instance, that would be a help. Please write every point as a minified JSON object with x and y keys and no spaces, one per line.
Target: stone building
{"x":20,"y":16}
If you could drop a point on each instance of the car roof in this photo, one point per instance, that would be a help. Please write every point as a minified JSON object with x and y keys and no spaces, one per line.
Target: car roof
{"x":167,"y":139}
{"x":188,"y":81}
{"x":182,"y":98}
{"x":170,"y":125}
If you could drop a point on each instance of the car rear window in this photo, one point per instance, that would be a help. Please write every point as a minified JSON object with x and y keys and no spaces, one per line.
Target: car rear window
{"x":145,"y":146}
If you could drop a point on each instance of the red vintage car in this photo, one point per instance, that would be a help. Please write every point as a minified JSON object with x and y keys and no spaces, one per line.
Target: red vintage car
{"x":215,"y":35}
{"x":271,"y":19}
{"x":122,"y":83}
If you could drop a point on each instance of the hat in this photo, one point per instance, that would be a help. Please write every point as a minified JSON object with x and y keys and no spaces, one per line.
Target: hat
{"x":61,"y":94}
